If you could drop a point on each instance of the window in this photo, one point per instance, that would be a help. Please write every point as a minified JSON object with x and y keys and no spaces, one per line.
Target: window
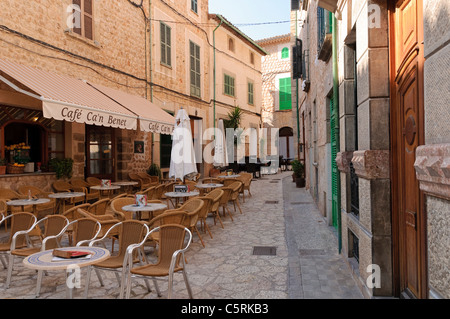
{"x":285,"y":53}
{"x":252,"y":58}
{"x":83,"y":13}
{"x":250,"y":93}
{"x":228,"y":88}
{"x":285,"y":94}
{"x":165,"y":149}
{"x":166,"y":57}
{"x":231,"y":44}
{"x":195,"y":69}
{"x":194,"y":6}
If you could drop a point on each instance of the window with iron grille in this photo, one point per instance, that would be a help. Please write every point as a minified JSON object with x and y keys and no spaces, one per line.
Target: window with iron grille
{"x":228,"y":88}
{"x":83,"y":14}
{"x":166,"y":54}
{"x":195,"y":69}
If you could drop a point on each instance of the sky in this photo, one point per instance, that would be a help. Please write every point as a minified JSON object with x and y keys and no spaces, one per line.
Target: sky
{"x":240,"y":12}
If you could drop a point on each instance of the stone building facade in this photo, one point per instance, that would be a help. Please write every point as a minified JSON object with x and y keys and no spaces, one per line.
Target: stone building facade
{"x":392,"y":154}
{"x":141,"y":49}
{"x":278,"y":103}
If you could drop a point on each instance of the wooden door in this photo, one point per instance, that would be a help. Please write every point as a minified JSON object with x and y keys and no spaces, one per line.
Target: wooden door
{"x":100,"y":152}
{"x":407,"y":61}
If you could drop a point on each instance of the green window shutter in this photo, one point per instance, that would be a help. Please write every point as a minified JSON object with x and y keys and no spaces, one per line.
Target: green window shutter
{"x":228,"y":85}
{"x":285,"y":94}
{"x":285,"y":53}
{"x":250,"y":93}
{"x":334,"y":168}
{"x":166,"y":57}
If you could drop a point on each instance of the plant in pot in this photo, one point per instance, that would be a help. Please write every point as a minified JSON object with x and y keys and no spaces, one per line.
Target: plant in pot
{"x":154,"y":170}
{"x":62,"y":167}
{"x":298,"y":173}
{"x":2,"y":166}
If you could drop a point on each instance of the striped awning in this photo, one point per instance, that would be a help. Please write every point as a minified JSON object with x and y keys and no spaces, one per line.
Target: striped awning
{"x":68,"y":99}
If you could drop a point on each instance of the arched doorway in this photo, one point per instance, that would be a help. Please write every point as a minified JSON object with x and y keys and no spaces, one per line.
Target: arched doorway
{"x":286,"y":143}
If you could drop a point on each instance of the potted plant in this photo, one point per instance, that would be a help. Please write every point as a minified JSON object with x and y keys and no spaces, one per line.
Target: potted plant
{"x":298,"y":173}
{"x":62,"y":167}
{"x":154,"y":170}
{"x":2,"y":166}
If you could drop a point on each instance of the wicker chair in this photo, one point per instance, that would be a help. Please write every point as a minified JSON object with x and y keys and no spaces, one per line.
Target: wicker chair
{"x":168,"y":217}
{"x":149,"y":192}
{"x":246,"y":179}
{"x":90,"y":194}
{"x":62,"y":187}
{"x":84,"y":231}
{"x":170,"y":258}
{"x":203,"y":214}
{"x":236,"y":186}
{"x":20,"y":222}
{"x":106,"y":222}
{"x":216,"y":196}
{"x":54,"y":227}
{"x":193,"y":207}
{"x":159,"y":192}
{"x":99,"y":207}
{"x":38,"y":193}
{"x":153,"y":180}
{"x":116,"y":207}
{"x":93,"y":181}
{"x":130,"y":232}
{"x":8,"y":194}
{"x":72,"y":214}
{"x":142,"y":183}
{"x":227,"y":192}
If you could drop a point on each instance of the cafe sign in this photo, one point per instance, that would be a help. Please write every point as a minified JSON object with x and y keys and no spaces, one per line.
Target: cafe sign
{"x":156,"y":127}
{"x":71,"y":113}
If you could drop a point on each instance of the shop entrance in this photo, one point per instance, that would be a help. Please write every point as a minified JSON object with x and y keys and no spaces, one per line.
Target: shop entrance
{"x":100,"y":152}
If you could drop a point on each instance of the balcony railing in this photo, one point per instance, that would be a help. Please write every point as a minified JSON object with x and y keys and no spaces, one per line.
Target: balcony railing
{"x":324,"y":34}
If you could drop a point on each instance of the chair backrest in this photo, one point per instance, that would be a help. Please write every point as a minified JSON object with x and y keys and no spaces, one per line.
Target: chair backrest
{"x":149,"y":192}
{"x":169,"y":186}
{"x":71,"y":213}
{"x":130,"y":232}
{"x":62,"y":186}
{"x":53,"y":226}
{"x":3,"y":207}
{"x":228,"y":181}
{"x":227,"y":192}
{"x":169,"y":217}
{"x":193,"y":207}
{"x":99,"y":207}
{"x":6,"y":193}
{"x":23,"y":190}
{"x":79,"y":183}
{"x":172,"y":237}
{"x":159,"y":191}
{"x":134,"y":177}
{"x":85,"y":229}
{"x":20,"y":222}
{"x":208,"y":202}
{"x":93,"y":181}
{"x":118,"y":203}
{"x":246,"y":178}
{"x":216,"y":195}
{"x":236,"y":187}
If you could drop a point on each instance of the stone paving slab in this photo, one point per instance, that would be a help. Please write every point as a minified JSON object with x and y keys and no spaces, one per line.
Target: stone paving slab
{"x":306,"y":264}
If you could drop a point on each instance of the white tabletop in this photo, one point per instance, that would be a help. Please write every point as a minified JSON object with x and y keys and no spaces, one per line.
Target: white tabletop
{"x":125,"y":183}
{"x":228,"y":176}
{"x":181,"y":194}
{"x":43,"y":260}
{"x":147,"y":208}
{"x":66,"y":195}
{"x":209,"y":185}
{"x":105,"y":188}
{"x":26,"y":202}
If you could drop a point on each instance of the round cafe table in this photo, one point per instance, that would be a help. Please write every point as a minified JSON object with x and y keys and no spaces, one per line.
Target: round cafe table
{"x":229,"y":176}
{"x":28,"y":202}
{"x":44,"y":261}
{"x":208,"y":186}
{"x":127,"y":185}
{"x":63,"y":197}
{"x":180,"y":195}
{"x":105,"y":191}
{"x":150,"y":207}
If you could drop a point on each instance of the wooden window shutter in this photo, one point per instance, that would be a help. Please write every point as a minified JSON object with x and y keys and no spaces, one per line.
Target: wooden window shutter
{"x":88,"y":19}
{"x":74,"y":12}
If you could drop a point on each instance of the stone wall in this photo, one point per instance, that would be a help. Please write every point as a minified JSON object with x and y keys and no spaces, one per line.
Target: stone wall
{"x":43,"y":181}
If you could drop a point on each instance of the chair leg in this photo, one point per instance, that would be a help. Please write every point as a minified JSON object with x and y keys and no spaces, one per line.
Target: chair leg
{"x":158,"y":292}
{"x":3,"y":262}
{"x":88,"y":279}
{"x":207,"y":228}
{"x":170,"y":286}
{"x":238,"y":205}
{"x":188,"y":286}
{"x":216,"y":214}
{"x":10,"y":269}
{"x":199,"y":236}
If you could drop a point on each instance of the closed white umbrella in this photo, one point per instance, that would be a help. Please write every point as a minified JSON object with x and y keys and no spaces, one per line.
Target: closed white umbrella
{"x":182,"y":160}
{"x":220,"y":147}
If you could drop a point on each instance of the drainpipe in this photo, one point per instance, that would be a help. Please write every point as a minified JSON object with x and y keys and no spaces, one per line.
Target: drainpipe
{"x":214,"y":76}
{"x":336,"y":100}
{"x":296,"y":87}
{"x":152,"y":152}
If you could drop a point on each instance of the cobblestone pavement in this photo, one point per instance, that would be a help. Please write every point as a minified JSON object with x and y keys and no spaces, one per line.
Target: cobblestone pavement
{"x":278,"y":215}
